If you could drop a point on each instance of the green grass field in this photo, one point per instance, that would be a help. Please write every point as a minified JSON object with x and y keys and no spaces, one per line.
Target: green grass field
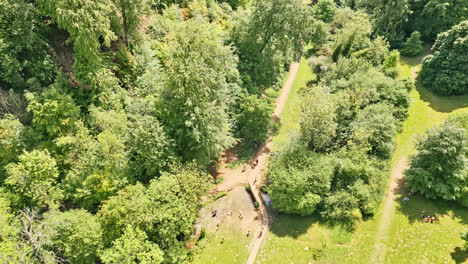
{"x":295,"y":239}
{"x":234,"y":249}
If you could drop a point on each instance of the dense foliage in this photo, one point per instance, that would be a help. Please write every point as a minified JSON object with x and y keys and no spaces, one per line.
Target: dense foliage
{"x":337,"y":165}
{"x":112,"y":111}
{"x":413,"y":46}
{"x":446,"y":69}
{"x":439,"y":168}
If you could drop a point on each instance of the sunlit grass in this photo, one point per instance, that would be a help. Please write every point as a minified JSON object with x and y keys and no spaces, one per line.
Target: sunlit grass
{"x":291,"y":115}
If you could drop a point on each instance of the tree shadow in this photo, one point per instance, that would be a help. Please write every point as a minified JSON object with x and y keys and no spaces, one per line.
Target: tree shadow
{"x":439,"y":103}
{"x":460,"y":255}
{"x":286,"y":225}
{"x":417,"y":203}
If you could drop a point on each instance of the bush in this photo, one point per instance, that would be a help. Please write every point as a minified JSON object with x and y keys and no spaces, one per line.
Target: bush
{"x":445,"y":71}
{"x":438,"y":169}
{"x":254,"y":118}
{"x":413,"y":46}
{"x":342,"y":206}
{"x":299,"y":179}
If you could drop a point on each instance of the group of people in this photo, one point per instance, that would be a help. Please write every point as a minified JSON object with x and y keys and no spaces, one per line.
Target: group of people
{"x":427,"y":218}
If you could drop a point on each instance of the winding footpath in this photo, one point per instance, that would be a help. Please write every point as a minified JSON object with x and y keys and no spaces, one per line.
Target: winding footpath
{"x":255,"y":175}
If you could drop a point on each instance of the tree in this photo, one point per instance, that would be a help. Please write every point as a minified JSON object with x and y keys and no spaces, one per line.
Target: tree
{"x":318,"y":122}
{"x":438,"y":169}
{"x":24,"y":50}
{"x":88,"y":22}
{"x":445,"y":71}
{"x":10,"y":250}
{"x":133,"y":247}
{"x":254,"y":118}
{"x":440,"y":15}
{"x":131,"y":12}
{"x":413,"y":45}
{"x":54,"y":111}
{"x":75,"y":235}
{"x":300,"y":179}
{"x":165,"y":210}
{"x":271,"y":36}
{"x":200,"y":73}
{"x":341,"y":206}
{"x":325,"y":10}
{"x":149,"y":147}
{"x":380,"y":128}
{"x":11,"y":141}
{"x":34,"y":179}
{"x":97,"y":165}
{"x":464,"y":236}
{"x":389,"y":18}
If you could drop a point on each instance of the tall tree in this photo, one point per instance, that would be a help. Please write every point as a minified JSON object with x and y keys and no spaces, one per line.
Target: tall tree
{"x":34,"y":179}
{"x":201,"y":76}
{"x":131,"y":12}
{"x":88,"y":22}
{"x":389,"y":17}
{"x":25,"y":61}
{"x":75,"y":235}
{"x":11,"y":141}
{"x":438,"y":169}
{"x":446,"y":69}
{"x":273,"y":34}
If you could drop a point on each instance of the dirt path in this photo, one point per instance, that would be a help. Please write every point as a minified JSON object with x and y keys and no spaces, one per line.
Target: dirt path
{"x":251,"y":175}
{"x":256,"y":175}
{"x":389,"y":205}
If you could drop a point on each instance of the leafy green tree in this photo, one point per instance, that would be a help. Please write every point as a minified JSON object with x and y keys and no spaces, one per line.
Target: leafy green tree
{"x":270,"y":36}
{"x":10,"y":250}
{"x":149,"y":147}
{"x":133,"y":247}
{"x":300,"y":179}
{"x":254,"y":118}
{"x":23,"y":46}
{"x":445,"y":71}
{"x":54,"y":112}
{"x":34,"y":179}
{"x":165,"y":211}
{"x":389,"y":18}
{"x":341,"y":206}
{"x":200,"y":73}
{"x":413,"y":45}
{"x":88,"y":22}
{"x":131,"y":12}
{"x":325,"y":10}
{"x":75,"y":235}
{"x":380,"y":126}
{"x":438,"y":169}
{"x":97,"y":165}
{"x":11,"y":141}
{"x":432,"y":17}
{"x":318,"y":122}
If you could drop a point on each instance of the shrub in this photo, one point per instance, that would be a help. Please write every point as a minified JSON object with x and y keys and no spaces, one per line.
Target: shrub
{"x":341,"y":206}
{"x":445,"y":71}
{"x":438,"y":169}
{"x":299,"y":179}
{"x":413,"y":46}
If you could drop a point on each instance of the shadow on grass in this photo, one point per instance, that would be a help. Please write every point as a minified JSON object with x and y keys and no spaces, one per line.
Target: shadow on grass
{"x":439,"y":103}
{"x":296,"y":225}
{"x":460,"y":255}
{"x":418,"y":203}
